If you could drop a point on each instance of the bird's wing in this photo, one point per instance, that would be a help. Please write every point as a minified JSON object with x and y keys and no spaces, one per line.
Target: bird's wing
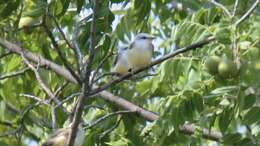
{"x":116,"y":58}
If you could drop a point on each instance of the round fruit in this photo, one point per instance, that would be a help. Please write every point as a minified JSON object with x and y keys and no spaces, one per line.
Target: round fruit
{"x":227,"y":69}
{"x":212,"y":64}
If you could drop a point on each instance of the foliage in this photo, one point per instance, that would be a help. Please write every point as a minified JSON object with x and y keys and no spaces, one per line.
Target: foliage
{"x":182,"y":91}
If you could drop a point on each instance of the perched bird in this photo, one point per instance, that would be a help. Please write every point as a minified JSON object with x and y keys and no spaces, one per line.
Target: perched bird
{"x":140,"y":51}
{"x":61,"y":136}
{"x":120,"y":65}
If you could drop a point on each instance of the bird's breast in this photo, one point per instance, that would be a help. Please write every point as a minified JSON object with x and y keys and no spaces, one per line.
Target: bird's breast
{"x":139,"y":56}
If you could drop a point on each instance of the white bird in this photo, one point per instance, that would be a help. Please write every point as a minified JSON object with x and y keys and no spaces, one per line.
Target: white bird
{"x":140,"y":51}
{"x":120,"y":64}
{"x":61,"y":136}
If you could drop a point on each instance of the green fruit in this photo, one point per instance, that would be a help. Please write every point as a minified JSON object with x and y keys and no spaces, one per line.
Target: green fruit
{"x":212,"y":64}
{"x":227,"y":69}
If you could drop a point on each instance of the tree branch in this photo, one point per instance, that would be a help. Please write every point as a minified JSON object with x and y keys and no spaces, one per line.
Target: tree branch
{"x":68,"y":98}
{"x":105,"y":133}
{"x":35,"y":98}
{"x":235,"y":8}
{"x":222,"y":7}
{"x":108,"y":116}
{"x":14,"y":74}
{"x":61,"y":88}
{"x":38,"y":59}
{"x":247,"y":14}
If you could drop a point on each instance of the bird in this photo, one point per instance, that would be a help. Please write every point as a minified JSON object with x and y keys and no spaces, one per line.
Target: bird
{"x":140,"y":51}
{"x":120,"y":64}
{"x":61,"y":136}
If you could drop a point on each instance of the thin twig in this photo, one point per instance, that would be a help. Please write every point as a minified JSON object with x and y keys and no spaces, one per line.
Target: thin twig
{"x":106,"y":117}
{"x":222,"y":7}
{"x":86,"y":18}
{"x":68,"y":98}
{"x":77,"y":49}
{"x":35,"y":98}
{"x":59,"y":90}
{"x":75,"y":43}
{"x":104,"y":75}
{"x":21,"y":121}
{"x":105,"y":133}
{"x":94,"y":106}
{"x":247,"y":14}
{"x":53,"y":117}
{"x":14,"y":74}
{"x":235,"y":8}
{"x":7,"y":123}
{"x":38,"y":77}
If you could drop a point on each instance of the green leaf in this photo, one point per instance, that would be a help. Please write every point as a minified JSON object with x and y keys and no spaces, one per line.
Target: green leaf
{"x":252,"y":116}
{"x":66,"y":4}
{"x":225,"y":119}
{"x":246,"y":102}
{"x":117,"y":1}
{"x":232,"y":138}
{"x":9,"y":8}
{"x":226,"y":89}
{"x":79,"y":5}
{"x":246,"y":142}
{"x":3,"y":144}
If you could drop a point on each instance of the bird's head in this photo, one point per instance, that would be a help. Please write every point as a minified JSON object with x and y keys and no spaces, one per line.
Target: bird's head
{"x":144,"y":37}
